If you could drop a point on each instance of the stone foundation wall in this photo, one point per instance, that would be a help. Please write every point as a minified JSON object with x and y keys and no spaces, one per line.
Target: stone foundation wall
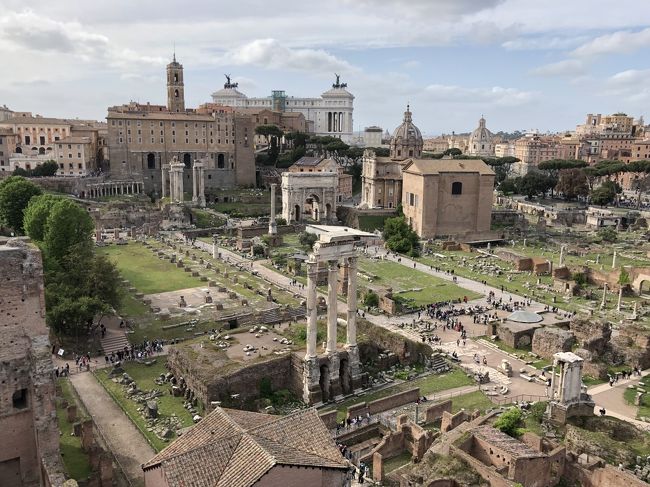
{"x":435,"y":412}
{"x":550,"y":340}
{"x":384,"y":404}
{"x":489,"y":474}
{"x":408,"y":351}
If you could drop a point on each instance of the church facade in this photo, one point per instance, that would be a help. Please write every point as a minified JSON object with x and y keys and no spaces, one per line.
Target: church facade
{"x":481,"y":142}
{"x":142,"y":138}
{"x":381,"y":177}
{"x":330,"y":114}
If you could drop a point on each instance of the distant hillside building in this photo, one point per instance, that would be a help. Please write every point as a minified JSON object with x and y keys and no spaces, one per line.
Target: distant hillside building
{"x":331,"y":113}
{"x":323,"y":164}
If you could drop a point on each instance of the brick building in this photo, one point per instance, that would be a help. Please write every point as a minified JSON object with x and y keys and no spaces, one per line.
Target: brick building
{"x":29,"y":451}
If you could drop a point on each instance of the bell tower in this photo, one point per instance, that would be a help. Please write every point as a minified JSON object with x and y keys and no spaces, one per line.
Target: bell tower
{"x":175,"y":87}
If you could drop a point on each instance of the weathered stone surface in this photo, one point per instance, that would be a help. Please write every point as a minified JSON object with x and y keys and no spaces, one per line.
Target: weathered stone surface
{"x":550,"y":340}
{"x":593,"y":335}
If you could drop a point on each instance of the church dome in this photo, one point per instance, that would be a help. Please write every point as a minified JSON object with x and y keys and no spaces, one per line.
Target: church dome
{"x":406,"y":140}
{"x":480,"y":142}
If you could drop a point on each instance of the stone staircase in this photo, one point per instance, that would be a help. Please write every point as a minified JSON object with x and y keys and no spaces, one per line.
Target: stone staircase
{"x":113,"y":341}
{"x":439,"y":364}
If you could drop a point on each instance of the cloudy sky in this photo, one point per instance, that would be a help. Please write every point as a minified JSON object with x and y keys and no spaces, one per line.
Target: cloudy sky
{"x":523,"y":64}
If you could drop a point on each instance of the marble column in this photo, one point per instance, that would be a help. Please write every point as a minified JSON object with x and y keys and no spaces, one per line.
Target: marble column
{"x":273,"y":228}
{"x":620,"y":297}
{"x":614,"y":260}
{"x":201,"y":184}
{"x":351,"y":337}
{"x":332,"y":281}
{"x":195,"y":184}
{"x":602,"y":303}
{"x":312,"y":311}
{"x":561,"y":256}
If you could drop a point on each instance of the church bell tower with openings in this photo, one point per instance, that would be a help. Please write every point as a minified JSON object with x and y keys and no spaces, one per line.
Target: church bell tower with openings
{"x":175,"y":87}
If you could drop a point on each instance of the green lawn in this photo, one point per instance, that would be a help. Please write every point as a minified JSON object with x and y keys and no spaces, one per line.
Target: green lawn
{"x":471,"y":402}
{"x":396,"y":462}
{"x":370,"y":223}
{"x":243,"y":210}
{"x":428,"y":385}
{"x":144,"y":377}
{"x":146,"y":272}
{"x":417,"y":287}
{"x":75,"y":460}
{"x":206,"y":219}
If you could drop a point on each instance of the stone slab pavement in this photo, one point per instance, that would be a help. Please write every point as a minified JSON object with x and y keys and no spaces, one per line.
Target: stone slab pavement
{"x":611,"y":398}
{"x":122,"y":437}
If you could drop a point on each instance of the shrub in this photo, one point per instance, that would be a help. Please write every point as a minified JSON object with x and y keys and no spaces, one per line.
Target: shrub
{"x":371,"y":299}
{"x":509,"y":422}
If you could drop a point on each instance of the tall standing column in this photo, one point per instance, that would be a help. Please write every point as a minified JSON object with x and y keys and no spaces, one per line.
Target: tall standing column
{"x":195,"y":185}
{"x":561,"y":256}
{"x":332,"y":281}
{"x":312,"y":323}
{"x":273,"y":228}
{"x":201,"y":185}
{"x":351,"y":337}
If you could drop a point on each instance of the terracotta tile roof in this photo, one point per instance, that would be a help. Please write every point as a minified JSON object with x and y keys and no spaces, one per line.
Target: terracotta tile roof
{"x":437,"y":166}
{"x":233,"y":448}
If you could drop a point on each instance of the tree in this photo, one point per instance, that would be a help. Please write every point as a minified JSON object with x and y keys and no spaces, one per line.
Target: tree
{"x":400,"y":237}
{"x":603,"y":195}
{"x":572,"y":183}
{"x":307,"y":239}
{"x":508,"y":186}
{"x":15,"y":193}
{"x":535,"y":183}
{"x":36,"y":214}
{"x":272,"y":134}
{"x":371,"y":299}
{"x":509,"y":422}
{"x":454,"y":151}
{"x":279,"y":221}
{"x":67,"y":225}
{"x":48,"y":168}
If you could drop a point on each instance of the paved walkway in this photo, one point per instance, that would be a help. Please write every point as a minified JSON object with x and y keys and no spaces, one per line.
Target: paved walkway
{"x":123,"y":438}
{"x":611,"y":398}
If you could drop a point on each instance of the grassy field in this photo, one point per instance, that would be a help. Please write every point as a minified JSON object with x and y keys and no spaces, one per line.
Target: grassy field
{"x":242,"y":210}
{"x":75,"y":460}
{"x":205,"y":219}
{"x":471,"y":402}
{"x":415,"y":286}
{"x":370,"y":223}
{"x":146,"y":272}
{"x":144,"y":377}
{"x":428,"y":385}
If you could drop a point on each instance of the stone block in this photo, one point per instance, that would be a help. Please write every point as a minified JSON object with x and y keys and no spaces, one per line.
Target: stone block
{"x":550,"y":340}
{"x":195,"y":273}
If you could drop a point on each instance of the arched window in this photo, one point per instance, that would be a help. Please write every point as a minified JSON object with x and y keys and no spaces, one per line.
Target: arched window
{"x":220,"y":161}
{"x":19,"y":150}
{"x":175,"y":77}
{"x":176,"y":93}
{"x":151,"y":161}
{"x":457,"y":187}
{"x":410,"y":152}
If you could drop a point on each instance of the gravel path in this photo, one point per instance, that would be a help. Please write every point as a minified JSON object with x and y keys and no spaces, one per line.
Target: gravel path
{"x":123,"y":438}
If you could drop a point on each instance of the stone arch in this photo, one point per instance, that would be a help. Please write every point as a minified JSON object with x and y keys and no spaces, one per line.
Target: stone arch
{"x":41,"y":150}
{"x":297,"y":213}
{"x":19,"y":150}
{"x":324,"y":382}
{"x":644,"y":286}
{"x":187,"y":160}
{"x":151,"y":161}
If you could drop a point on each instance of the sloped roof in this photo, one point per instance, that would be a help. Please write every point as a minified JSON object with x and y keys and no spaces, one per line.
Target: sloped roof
{"x":232,"y":448}
{"x":437,"y":166}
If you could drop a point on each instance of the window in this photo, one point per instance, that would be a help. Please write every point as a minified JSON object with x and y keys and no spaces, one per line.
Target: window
{"x":19,"y":399}
{"x":456,"y":188}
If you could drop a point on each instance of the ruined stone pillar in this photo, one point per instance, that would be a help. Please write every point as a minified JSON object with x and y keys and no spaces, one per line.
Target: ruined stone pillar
{"x":614,"y":260}
{"x":620,"y":297}
{"x":165,"y":179}
{"x":312,"y":326}
{"x":602,"y":303}
{"x":351,"y":336}
{"x":273,"y":229}
{"x":332,"y":271}
{"x":561,"y":256}
{"x":195,"y":184}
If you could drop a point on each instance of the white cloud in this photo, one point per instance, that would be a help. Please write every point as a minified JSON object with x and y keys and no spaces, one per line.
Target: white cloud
{"x":441,"y":8}
{"x":543,"y":43}
{"x":630,"y":85}
{"x":32,"y":32}
{"x":271,"y":54}
{"x":567,"y":67}
{"x":617,"y":42}
{"x":492,"y":96}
